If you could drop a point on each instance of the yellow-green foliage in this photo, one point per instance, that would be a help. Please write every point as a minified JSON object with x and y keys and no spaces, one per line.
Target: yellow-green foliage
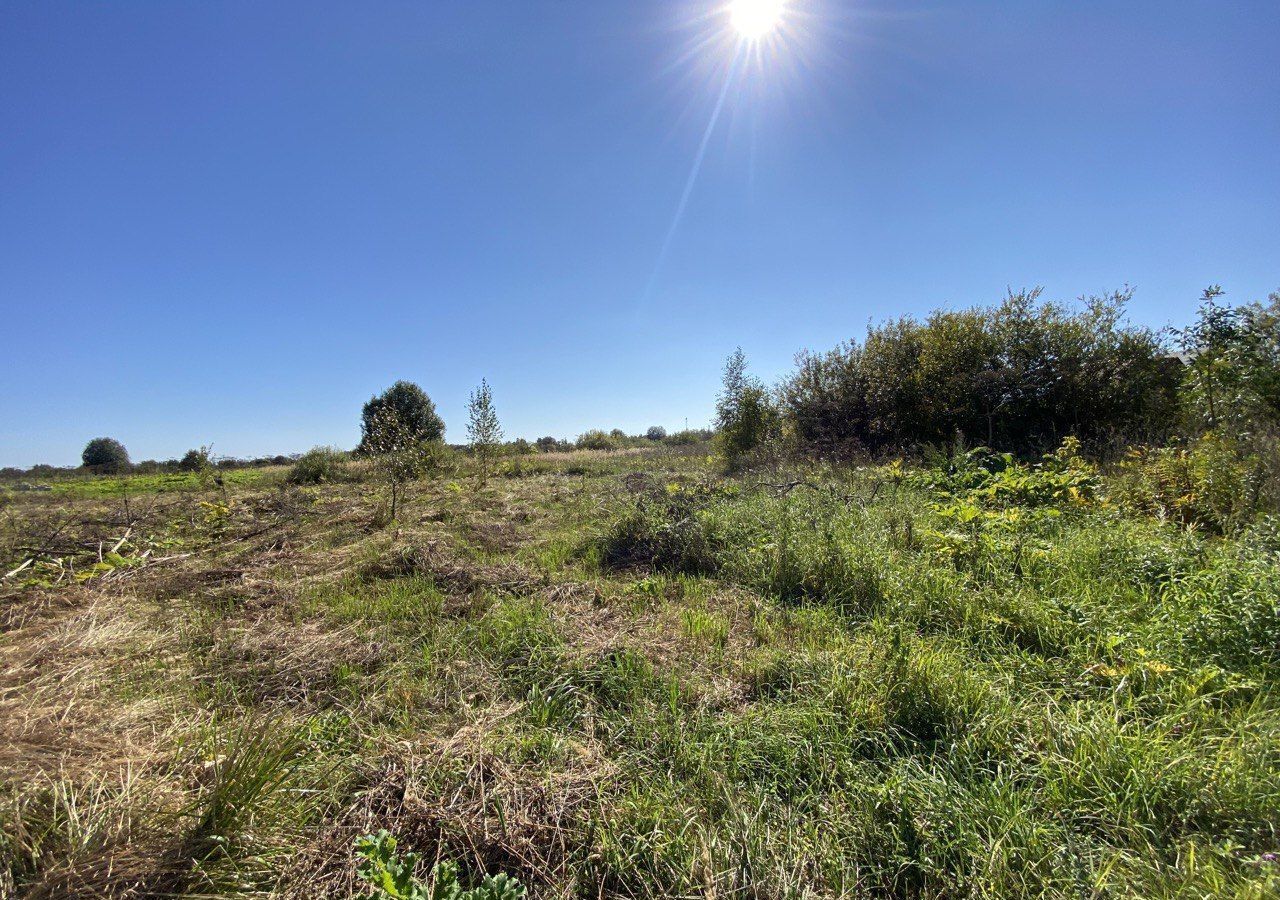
{"x":1213,"y":483}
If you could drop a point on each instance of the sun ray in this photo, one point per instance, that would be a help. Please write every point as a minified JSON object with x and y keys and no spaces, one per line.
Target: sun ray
{"x":693,"y":172}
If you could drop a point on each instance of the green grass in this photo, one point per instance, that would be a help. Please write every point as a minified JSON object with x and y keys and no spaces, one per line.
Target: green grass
{"x":684,"y":685}
{"x":97,"y":487}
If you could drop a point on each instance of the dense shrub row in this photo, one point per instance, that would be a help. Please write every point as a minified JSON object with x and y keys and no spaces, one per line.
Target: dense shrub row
{"x":1019,"y":376}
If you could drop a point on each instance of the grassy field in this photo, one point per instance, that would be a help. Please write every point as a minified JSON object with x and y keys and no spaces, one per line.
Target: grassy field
{"x":629,"y":675}
{"x":86,"y":487}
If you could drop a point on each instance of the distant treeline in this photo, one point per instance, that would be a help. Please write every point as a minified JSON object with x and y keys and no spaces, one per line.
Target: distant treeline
{"x":106,"y":456}
{"x":145,"y":467}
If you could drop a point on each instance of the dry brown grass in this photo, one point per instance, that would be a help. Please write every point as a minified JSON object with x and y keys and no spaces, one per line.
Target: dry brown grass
{"x":107,"y":685}
{"x":58,"y":709}
{"x":98,"y":679}
{"x":454,"y":797}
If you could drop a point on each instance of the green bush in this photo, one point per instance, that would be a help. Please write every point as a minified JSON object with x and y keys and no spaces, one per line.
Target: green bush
{"x":105,"y":455}
{"x":196,"y":460}
{"x":404,"y":408}
{"x":597,"y":439}
{"x":1018,"y":377}
{"x":1062,"y":479}
{"x":319,"y":465}
{"x":664,"y":530}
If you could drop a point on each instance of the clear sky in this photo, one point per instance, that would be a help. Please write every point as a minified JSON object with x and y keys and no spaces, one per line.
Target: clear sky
{"x":233,"y":222}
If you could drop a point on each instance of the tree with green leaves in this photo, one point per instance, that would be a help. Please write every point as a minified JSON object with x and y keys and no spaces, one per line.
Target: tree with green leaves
{"x":1232,"y":355}
{"x":484,"y":434}
{"x":411,"y":410}
{"x":746,"y":416}
{"x":105,"y":455}
{"x":196,"y":460}
{"x":399,"y":455}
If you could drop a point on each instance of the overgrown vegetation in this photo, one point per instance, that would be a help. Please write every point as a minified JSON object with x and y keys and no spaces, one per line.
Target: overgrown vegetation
{"x":1020,"y":376}
{"x":319,"y":465}
{"x":666,"y":667}
{"x":977,"y":676}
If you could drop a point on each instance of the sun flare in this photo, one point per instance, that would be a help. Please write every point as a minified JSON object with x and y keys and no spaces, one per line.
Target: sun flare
{"x":753,"y":19}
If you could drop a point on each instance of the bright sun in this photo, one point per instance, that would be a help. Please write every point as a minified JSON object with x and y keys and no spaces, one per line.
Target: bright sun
{"x":755,"y":18}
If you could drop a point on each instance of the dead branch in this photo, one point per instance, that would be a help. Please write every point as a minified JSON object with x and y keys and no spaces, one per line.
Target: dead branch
{"x":20,"y":568}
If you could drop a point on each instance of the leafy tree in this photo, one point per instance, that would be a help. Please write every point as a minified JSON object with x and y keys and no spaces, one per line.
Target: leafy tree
{"x":1232,"y":354}
{"x":105,"y":455}
{"x":398,"y":455}
{"x":483,"y":431}
{"x":196,"y":460}
{"x":549,"y":444}
{"x":745,"y":413}
{"x":656,"y":433}
{"x":411,"y":409}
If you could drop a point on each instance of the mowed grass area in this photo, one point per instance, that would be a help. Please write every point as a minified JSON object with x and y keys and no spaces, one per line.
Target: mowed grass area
{"x":630,"y":675}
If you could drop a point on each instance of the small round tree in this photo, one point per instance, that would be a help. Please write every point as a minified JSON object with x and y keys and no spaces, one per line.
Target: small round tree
{"x":195,"y":460}
{"x":656,"y":433}
{"x":105,"y":455}
{"x":411,"y":409}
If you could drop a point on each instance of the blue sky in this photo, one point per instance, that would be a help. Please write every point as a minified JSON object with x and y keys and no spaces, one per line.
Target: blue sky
{"x":233,"y":222}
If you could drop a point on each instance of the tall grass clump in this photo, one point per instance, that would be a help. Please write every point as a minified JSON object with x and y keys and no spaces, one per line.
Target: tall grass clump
{"x":665,"y":528}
